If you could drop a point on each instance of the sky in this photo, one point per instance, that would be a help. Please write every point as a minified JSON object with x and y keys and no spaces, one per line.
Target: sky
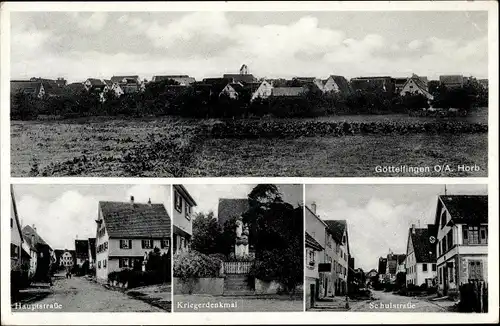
{"x":379,"y":216}
{"x":61,"y":213}
{"x":207,"y":196}
{"x":79,"y":45}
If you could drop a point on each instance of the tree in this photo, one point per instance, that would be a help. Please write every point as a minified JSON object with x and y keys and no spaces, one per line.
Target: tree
{"x":206,"y":234}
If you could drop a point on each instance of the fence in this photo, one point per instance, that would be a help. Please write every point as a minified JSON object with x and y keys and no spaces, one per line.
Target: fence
{"x":474,"y":297}
{"x":237,"y":267}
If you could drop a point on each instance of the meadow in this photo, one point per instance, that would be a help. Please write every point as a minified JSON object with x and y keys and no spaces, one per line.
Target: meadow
{"x":177,"y":147}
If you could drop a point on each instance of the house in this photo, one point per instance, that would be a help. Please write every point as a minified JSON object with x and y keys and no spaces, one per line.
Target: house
{"x":129,"y":84}
{"x":44,"y":253}
{"x":127,"y":232}
{"x":75,"y":88}
{"x":399,"y":82}
{"x":383,"y":84}
{"x":462,"y":241}
{"x":337,"y":84}
{"x":183,"y":214}
{"x":452,"y":81}
{"x":243,"y":77}
{"x":288,"y":91}
{"x":59,"y":82}
{"x":20,"y":253}
{"x":81,"y":251}
{"x":183,"y":80}
{"x":395,"y":263}
{"x":92,"y":252}
{"x":416,"y":85}
{"x":319,"y":258}
{"x":232,"y":90}
{"x":382,"y":268}
{"x":263,"y":90}
{"x":421,"y":256}
{"x":35,"y":89}
{"x":370,"y":276}
{"x":338,"y":230}
{"x":67,"y":259}
{"x":95,"y":84}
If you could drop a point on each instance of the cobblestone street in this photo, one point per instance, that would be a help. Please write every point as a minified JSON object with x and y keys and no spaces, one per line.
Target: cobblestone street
{"x":79,"y":294}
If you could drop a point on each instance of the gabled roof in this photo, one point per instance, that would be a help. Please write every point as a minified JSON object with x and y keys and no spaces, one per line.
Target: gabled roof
{"x":451,"y":79}
{"x":108,"y":82}
{"x":336,"y":228}
{"x":466,"y":208}
{"x":127,"y":220}
{"x":82,"y":248}
{"x":230,"y":207}
{"x":305,"y":79}
{"x":183,"y":191}
{"x":75,"y":87}
{"x":425,"y":252}
{"x":52,"y":89}
{"x":420,"y":83}
{"x":181,"y":79}
{"x":287,"y":91}
{"x":342,"y":83}
{"x":16,"y":216}
{"x":96,"y":82}
{"x":129,"y":79}
{"x":212,"y":81}
{"x":27,"y":87}
{"x":28,"y":231}
{"x":246,"y":78}
{"x":312,"y":243}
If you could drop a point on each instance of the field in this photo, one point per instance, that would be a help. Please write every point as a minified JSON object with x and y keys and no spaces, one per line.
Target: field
{"x":167,"y":147}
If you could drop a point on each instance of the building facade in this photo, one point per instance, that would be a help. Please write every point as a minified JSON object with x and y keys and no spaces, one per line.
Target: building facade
{"x":127,"y":233}
{"x":183,"y":215}
{"x":462,"y":241}
{"x":421,"y":256}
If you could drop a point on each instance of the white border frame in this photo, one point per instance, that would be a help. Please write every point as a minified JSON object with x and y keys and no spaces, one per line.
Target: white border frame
{"x":245,"y":318}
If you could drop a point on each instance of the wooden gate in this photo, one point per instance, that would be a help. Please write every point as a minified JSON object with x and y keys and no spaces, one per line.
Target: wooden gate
{"x":237,"y":267}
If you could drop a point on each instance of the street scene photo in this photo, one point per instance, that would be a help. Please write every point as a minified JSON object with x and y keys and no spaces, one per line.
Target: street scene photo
{"x":90,"y":248}
{"x":397,"y":248}
{"x":249,"y":94}
{"x":238,"y":248}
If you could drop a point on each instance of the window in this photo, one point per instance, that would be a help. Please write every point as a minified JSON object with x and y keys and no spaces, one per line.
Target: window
{"x":11,"y":222}
{"x":165,"y":243}
{"x":475,"y":270}
{"x":444,"y":245}
{"x":471,"y":234}
{"x":440,"y":276}
{"x":14,"y":251}
{"x":178,"y":202}
{"x":439,"y":248}
{"x":124,"y":263}
{"x":188,"y":211}
{"x":147,"y":244}
{"x":99,"y":264}
{"x":450,"y":272}
{"x":125,"y":244}
{"x":311,"y":258}
{"x":424,"y":267}
{"x":443,"y":218}
{"x":104,"y":263}
{"x":484,"y":234}
{"x":433,"y":267}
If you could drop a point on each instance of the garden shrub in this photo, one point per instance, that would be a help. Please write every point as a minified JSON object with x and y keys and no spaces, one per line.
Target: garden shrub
{"x":194,"y":264}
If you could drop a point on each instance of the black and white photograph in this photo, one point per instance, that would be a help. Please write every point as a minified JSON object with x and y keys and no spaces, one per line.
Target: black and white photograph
{"x":90,"y":248}
{"x":397,"y":248}
{"x":238,"y":248}
{"x":249,"y":93}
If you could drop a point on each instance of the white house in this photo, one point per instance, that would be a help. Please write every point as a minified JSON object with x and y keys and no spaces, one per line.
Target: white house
{"x":67,"y":260}
{"x":462,"y":241}
{"x":415,"y":85}
{"x":127,"y":233}
{"x":336,"y":84}
{"x":421,"y":256}
{"x":183,"y":219}
{"x":338,"y":230}
{"x":264,"y":90}
{"x":232,"y":90}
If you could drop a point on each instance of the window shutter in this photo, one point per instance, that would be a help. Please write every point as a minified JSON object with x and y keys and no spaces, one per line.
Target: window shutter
{"x":130,"y":244}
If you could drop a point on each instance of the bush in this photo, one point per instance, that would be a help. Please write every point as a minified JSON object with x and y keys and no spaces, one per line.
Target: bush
{"x":195,"y":264}
{"x":135,"y":278}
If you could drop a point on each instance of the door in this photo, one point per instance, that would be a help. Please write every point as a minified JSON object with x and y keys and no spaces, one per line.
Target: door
{"x":313,"y":294}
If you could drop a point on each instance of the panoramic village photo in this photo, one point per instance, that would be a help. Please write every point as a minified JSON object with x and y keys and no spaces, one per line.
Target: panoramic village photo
{"x":397,"y":248}
{"x":238,"y":248}
{"x":90,"y":248}
{"x":257,"y":94}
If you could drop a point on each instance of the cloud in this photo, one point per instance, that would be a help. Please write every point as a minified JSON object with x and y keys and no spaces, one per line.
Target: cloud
{"x":95,"y":22}
{"x":415,"y":44}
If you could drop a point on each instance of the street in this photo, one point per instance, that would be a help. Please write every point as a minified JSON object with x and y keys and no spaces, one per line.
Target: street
{"x":389,"y":302}
{"x":79,"y":294}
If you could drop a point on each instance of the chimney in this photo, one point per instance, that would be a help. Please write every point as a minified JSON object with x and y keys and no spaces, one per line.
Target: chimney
{"x":413,"y":228}
{"x":132,"y":200}
{"x":313,"y":207}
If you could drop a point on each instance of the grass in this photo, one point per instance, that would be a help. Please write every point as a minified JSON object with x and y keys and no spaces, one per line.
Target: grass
{"x":117,"y":147}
